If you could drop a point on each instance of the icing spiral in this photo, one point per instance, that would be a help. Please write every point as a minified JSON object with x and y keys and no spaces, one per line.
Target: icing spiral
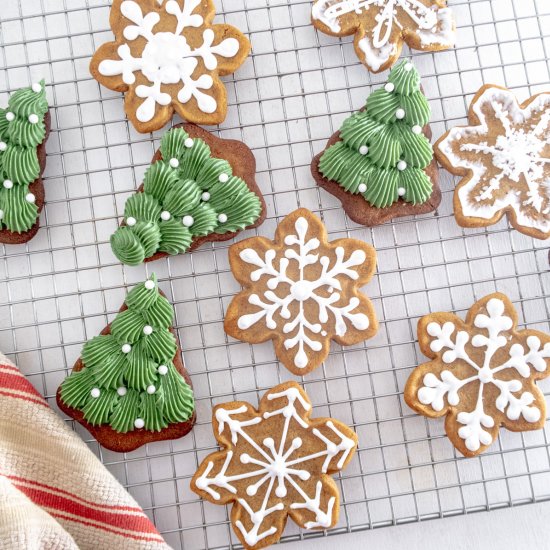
{"x":186,"y":194}
{"x":383,"y":152}
{"x":129,"y":374}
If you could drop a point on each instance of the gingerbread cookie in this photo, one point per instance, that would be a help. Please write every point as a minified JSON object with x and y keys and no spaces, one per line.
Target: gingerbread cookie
{"x":130,"y":387}
{"x":301,"y":291}
{"x":481,"y":375}
{"x":504,"y":156}
{"x":275,"y":462}
{"x":199,"y":189}
{"x":381,"y":26}
{"x":380,"y":165}
{"x":168,"y":56}
{"x":24,"y":130}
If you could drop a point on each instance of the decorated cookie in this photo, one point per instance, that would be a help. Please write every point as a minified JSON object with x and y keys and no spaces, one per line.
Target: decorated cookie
{"x":504,"y":156}
{"x":168,"y":56}
{"x":301,"y":291}
{"x":380,"y":165}
{"x":24,"y":129}
{"x":198,"y":189}
{"x":381,"y":26}
{"x":130,"y":387}
{"x":481,"y":374}
{"x":275,"y":462}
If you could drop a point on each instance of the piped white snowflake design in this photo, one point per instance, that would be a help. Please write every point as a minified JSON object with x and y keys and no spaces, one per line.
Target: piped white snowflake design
{"x":167,"y":58}
{"x":510,"y":164}
{"x":381,"y":40}
{"x":510,"y":363}
{"x":262,"y":472}
{"x":303,"y":290}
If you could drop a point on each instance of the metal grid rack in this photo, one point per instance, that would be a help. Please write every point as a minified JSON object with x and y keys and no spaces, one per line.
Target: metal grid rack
{"x":294,"y":91}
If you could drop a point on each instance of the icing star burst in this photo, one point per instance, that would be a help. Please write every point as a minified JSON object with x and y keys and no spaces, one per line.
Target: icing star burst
{"x":275,"y":462}
{"x":504,"y":155}
{"x":481,"y":375}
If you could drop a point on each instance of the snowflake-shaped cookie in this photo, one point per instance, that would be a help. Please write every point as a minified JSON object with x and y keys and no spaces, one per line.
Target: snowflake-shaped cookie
{"x":276,"y":462}
{"x":381,"y":26}
{"x":482,"y":373}
{"x":301,"y":291}
{"x":504,"y":156}
{"x":168,"y":56}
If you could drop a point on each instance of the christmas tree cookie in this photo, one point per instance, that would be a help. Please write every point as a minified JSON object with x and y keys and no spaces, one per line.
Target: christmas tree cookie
{"x":24,"y":129}
{"x":380,"y":165}
{"x":199,"y":188}
{"x":130,"y":386}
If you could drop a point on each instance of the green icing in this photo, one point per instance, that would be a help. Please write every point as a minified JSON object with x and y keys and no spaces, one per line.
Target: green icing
{"x":22,"y":130}
{"x":114,"y":387}
{"x":383,"y":153}
{"x":187,"y":194}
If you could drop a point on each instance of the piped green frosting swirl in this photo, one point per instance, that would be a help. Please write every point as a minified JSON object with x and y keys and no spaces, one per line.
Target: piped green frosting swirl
{"x":129,"y":375}
{"x":383,"y":153}
{"x":22,"y":130}
{"x":187,"y":194}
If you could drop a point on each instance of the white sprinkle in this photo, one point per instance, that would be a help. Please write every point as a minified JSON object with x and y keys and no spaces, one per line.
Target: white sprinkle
{"x":363,"y":150}
{"x":1,"y":214}
{"x":139,"y":423}
{"x":389,"y":87}
{"x":400,"y":113}
{"x":205,"y":196}
{"x":222,"y":218}
{"x":10,"y":117}
{"x":408,"y":66}
{"x":122,"y":391}
{"x":165,"y":215}
{"x":188,"y":221}
{"x":131,"y":221}
{"x":151,"y":389}
{"x":149,"y":285}
{"x":29,"y":197}
{"x":401,"y":165}
{"x":3,"y":146}
{"x":174,"y":163}
{"x":147,"y":330}
{"x":163,"y":370}
{"x":8,"y":184}
{"x":401,"y":191}
{"x":33,"y":119}
{"x":362,"y":187}
{"x":37,"y":87}
{"x":224,"y":178}
{"x":95,"y":393}
{"x":126,"y":348}
{"x":188,"y":143}
{"x":416,"y":129}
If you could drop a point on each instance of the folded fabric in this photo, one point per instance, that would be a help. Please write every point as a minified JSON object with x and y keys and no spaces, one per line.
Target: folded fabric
{"x":54,"y":492}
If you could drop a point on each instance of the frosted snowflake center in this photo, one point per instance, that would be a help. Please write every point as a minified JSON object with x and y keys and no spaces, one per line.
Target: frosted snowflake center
{"x":302,"y":290}
{"x":162,"y":56}
{"x":485,"y":375}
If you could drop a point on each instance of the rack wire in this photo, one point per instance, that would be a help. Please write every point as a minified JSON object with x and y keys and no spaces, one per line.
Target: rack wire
{"x":64,"y":286}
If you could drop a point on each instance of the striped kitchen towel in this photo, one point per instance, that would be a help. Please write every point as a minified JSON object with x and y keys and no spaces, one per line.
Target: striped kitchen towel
{"x":54,"y":492}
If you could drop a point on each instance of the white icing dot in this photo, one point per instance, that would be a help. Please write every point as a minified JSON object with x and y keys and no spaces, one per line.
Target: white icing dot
{"x":29,"y":197}
{"x":416,"y":129}
{"x":147,"y":330}
{"x":205,"y":196}
{"x":1,"y":214}
{"x":3,"y":146}
{"x":33,"y":119}
{"x":122,"y":391}
{"x":408,"y":66}
{"x":389,"y":87}
{"x":363,"y":150}
{"x":362,"y":187}
{"x":400,"y":113}
{"x":188,"y":143}
{"x":222,"y":218}
{"x":224,"y":178}
{"x":10,"y":117}
{"x":174,"y":163}
{"x":95,"y":393}
{"x":401,"y":165}
{"x":131,"y":221}
{"x":188,"y":221}
{"x":401,"y":191}
{"x":163,"y":370}
{"x":139,"y":423}
{"x":165,"y":215}
{"x":37,"y":87}
{"x":149,"y":285}
{"x":151,"y":389}
{"x":126,"y":348}
{"x":8,"y":184}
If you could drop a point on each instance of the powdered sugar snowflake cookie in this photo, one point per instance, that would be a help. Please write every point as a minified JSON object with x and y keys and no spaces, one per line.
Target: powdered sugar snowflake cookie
{"x":301,"y":291}
{"x":481,"y":375}
{"x":168,"y":56}
{"x":381,"y":26}
{"x":275,"y":462}
{"x":504,"y":156}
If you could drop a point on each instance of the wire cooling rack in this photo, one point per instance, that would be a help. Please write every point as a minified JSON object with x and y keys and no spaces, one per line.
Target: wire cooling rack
{"x":294,"y":91}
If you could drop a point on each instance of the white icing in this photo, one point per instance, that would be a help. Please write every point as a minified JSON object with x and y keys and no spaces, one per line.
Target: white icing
{"x":8,"y":184}
{"x":95,"y":393}
{"x":167,"y":58}
{"x":131,"y":221}
{"x":520,"y":157}
{"x":1,"y":214}
{"x":205,"y":196}
{"x":162,"y":370}
{"x":33,"y":119}
{"x":151,"y":389}
{"x":188,"y":221}
{"x":520,"y":362}
{"x":149,"y":285}
{"x":165,"y":215}
{"x":363,"y":150}
{"x":362,"y":187}
{"x":3,"y":145}
{"x":276,"y":469}
{"x":126,"y":348}
{"x":174,"y":163}
{"x":300,"y":331}
{"x":147,"y":330}
{"x":224,"y":178}
{"x":222,"y":218}
{"x":139,"y":423}
{"x":188,"y":143}
{"x":10,"y":117}
{"x":37,"y":87}
{"x":122,"y":391}
{"x":30,"y":197}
